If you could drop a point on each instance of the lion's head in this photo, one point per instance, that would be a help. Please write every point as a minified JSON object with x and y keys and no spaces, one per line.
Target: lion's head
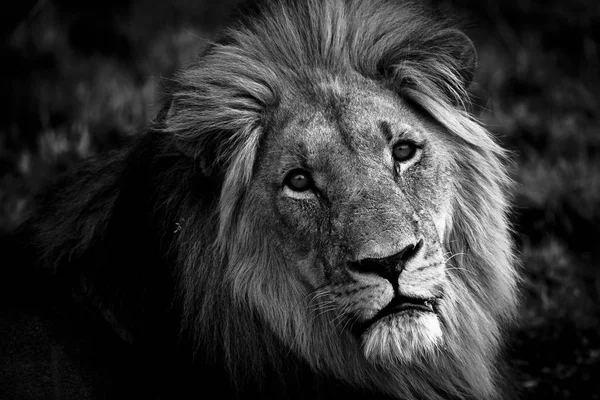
{"x":350,"y":216}
{"x":362,"y":211}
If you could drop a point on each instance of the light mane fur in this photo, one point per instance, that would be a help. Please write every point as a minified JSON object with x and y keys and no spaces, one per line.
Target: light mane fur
{"x":240,"y":303}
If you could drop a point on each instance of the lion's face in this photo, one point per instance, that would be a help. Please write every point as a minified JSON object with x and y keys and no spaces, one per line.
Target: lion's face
{"x":356,"y":191}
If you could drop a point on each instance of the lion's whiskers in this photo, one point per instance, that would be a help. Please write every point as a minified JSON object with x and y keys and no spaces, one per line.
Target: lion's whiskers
{"x":460,"y":269}
{"x":320,"y":302}
{"x":326,"y":309}
{"x":453,"y":255}
{"x":350,"y":320}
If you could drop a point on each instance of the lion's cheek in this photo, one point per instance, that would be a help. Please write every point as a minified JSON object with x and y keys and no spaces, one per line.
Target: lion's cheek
{"x":402,"y":337}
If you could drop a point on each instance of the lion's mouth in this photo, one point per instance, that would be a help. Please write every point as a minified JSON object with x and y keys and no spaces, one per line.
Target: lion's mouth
{"x":400,"y":304}
{"x":403,"y":304}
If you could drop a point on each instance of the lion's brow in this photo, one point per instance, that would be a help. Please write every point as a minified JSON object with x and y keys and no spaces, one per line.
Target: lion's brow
{"x":386,"y":130}
{"x":300,"y":151}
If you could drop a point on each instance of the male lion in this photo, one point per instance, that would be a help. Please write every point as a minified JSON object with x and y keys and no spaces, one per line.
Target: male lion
{"x":314,"y":213}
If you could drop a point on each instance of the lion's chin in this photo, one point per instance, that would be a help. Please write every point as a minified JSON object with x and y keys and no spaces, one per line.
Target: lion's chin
{"x":401,"y":337}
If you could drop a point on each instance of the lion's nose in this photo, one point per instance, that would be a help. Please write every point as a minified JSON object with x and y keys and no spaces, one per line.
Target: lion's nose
{"x":389,"y":267}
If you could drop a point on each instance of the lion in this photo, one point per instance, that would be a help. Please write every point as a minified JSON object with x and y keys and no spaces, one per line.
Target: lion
{"x":315,"y":213}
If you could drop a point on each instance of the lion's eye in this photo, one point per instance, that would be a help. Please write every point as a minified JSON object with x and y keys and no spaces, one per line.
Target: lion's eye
{"x":404,"y":151}
{"x":298,"y":180}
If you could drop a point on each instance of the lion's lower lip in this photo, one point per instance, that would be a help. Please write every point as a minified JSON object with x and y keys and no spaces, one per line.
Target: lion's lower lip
{"x":402,"y":304}
{"x":411,"y":306}
{"x":398,"y":305}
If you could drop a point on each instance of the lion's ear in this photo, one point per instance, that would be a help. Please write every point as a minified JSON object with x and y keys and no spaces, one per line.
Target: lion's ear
{"x":201,"y":153}
{"x":446,"y":57}
{"x":466,"y":57}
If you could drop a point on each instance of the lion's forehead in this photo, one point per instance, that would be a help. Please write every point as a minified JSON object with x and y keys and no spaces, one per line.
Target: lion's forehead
{"x":349,"y":129}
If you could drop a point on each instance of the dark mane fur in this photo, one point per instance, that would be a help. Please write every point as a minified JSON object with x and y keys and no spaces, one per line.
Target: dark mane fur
{"x":154,"y":236}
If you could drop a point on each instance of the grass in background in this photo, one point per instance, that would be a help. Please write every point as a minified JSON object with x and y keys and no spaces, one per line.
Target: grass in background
{"x":84,"y":78}
{"x":538,"y":87}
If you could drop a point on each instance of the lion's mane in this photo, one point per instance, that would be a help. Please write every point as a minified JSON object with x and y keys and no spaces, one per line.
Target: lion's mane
{"x":174,"y":207}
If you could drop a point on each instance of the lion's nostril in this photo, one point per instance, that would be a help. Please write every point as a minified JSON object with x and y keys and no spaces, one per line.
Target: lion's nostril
{"x":389,"y":267}
{"x":417,"y":247}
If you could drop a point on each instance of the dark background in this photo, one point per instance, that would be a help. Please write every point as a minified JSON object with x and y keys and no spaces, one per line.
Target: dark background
{"x":82,"y":77}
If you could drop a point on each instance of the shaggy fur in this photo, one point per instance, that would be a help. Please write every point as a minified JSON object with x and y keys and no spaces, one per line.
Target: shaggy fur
{"x":179,"y":226}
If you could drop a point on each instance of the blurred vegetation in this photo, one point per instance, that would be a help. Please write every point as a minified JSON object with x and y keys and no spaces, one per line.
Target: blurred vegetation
{"x":83,"y":77}
{"x":538,"y":90}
